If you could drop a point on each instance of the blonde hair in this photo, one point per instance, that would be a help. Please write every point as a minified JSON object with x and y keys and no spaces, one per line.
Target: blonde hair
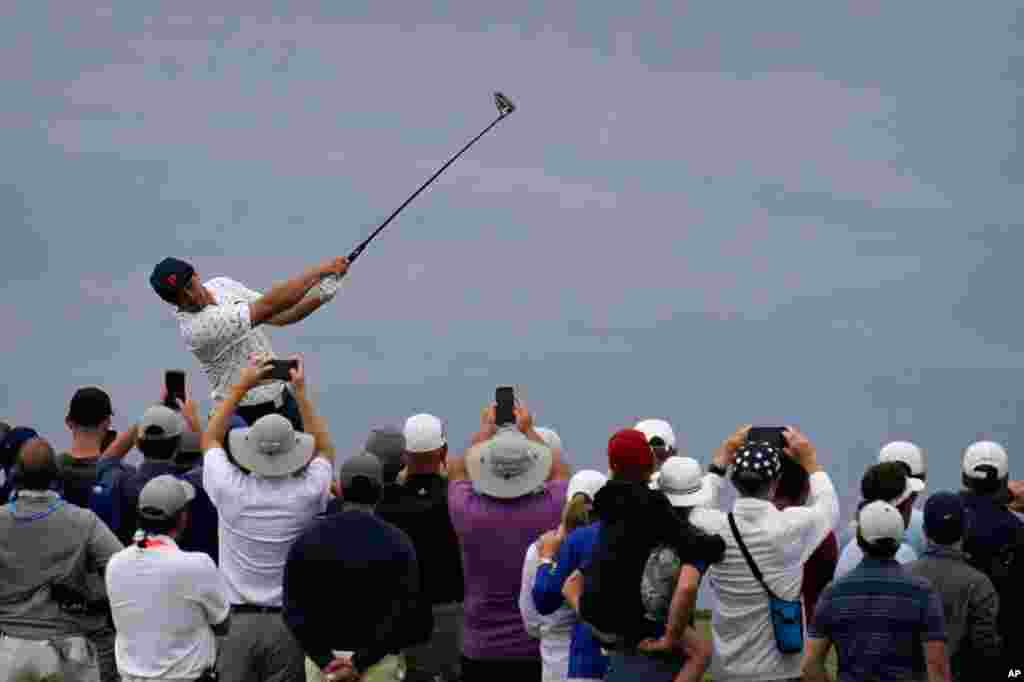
{"x":576,"y":512}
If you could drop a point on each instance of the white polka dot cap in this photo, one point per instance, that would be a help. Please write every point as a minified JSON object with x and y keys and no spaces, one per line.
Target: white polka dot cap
{"x":762,"y":459}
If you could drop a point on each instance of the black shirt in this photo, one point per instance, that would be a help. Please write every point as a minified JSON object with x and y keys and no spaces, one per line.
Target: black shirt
{"x":78,"y":477}
{"x":419,"y":506}
{"x":351,"y":583}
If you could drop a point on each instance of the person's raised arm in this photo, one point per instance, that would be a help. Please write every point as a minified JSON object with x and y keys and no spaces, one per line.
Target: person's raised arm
{"x":248,"y":378}
{"x":560,"y":469}
{"x":813,"y":522}
{"x":721,"y":460}
{"x":312,"y":421}
{"x":288,"y":294}
{"x":456,"y":464}
{"x":322,"y":293}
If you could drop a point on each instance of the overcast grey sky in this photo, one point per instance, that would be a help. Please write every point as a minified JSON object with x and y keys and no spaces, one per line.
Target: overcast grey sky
{"x":713,"y":213}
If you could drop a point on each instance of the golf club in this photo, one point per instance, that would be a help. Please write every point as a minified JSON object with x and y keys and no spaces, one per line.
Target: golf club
{"x":505,"y":107}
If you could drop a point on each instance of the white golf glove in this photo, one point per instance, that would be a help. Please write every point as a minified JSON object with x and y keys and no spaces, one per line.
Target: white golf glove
{"x":328,"y":288}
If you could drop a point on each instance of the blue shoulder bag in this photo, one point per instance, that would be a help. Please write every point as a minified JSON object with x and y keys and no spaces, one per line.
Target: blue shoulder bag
{"x":787,"y":616}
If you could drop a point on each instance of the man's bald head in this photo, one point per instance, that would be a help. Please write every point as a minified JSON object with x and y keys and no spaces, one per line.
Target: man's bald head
{"x":37,"y":465}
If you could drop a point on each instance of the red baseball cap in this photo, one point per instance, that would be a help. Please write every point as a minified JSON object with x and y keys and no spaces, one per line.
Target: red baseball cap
{"x":630,"y":455}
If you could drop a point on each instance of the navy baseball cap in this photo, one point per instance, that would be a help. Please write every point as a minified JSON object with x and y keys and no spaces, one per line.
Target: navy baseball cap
{"x":90,"y":405}
{"x":945,"y":517}
{"x":170,"y":277}
{"x":12,"y":442}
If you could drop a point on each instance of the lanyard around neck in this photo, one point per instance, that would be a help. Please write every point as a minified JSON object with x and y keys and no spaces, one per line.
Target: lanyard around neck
{"x":35,"y":516}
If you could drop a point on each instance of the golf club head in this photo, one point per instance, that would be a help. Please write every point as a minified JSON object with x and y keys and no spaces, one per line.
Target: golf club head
{"x":504,"y":104}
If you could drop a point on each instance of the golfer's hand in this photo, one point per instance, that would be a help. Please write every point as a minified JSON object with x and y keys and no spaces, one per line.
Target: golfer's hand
{"x":336,"y":266}
{"x":328,"y":287}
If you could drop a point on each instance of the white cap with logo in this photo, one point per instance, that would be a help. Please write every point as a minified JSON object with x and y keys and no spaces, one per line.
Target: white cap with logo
{"x":985,"y":454}
{"x":906,"y":452}
{"x":657,"y":428}
{"x":424,"y":433}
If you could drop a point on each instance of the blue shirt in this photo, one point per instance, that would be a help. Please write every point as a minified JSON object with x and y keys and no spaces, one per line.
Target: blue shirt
{"x":201,"y":533}
{"x":585,"y":658}
{"x":879,"y":616}
{"x":914,"y":536}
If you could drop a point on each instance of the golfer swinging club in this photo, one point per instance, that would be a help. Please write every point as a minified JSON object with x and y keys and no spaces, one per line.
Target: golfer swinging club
{"x":219,"y":320}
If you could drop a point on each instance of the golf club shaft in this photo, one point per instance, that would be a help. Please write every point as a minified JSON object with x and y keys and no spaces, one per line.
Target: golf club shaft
{"x":359,"y":249}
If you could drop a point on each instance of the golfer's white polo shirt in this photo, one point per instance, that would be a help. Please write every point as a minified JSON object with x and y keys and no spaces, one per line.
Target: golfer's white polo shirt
{"x":259,"y":519}
{"x":222,"y":337}
{"x":164,"y":602}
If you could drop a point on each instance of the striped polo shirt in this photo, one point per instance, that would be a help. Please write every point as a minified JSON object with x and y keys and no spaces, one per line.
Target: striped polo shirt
{"x":879,"y":616}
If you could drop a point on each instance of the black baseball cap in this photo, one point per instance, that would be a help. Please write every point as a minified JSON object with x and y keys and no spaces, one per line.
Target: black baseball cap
{"x":170,"y":277}
{"x":90,"y":406}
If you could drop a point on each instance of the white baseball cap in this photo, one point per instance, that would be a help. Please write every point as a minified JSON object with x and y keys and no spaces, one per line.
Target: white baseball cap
{"x":657,"y":428}
{"x":550,"y":437}
{"x":911,"y":487}
{"x":586,"y":481}
{"x":906,"y":452}
{"x":879,"y":521}
{"x":985,"y":453}
{"x":683,"y":482}
{"x":424,"y":433}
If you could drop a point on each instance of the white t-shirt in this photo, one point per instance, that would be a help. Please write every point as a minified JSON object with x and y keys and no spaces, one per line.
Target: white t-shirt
{"x":780,"y":542}
{"x":259,"y":519}
{"x":164,"y":602}
{"x":852,"y":556}
{"x":553,"y":631}
{"x":222,"y":337}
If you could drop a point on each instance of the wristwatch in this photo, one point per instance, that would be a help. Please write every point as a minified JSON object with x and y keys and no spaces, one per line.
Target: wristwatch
{"x":717,"y":469}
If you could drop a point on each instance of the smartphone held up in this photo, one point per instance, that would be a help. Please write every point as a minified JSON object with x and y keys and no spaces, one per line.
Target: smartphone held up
{"x":505,"y":406}
{"x":281,"y":370}
{"x":174,"y":382}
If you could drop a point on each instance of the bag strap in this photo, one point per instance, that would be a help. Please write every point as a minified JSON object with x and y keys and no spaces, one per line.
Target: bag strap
{"x":750,"y":560}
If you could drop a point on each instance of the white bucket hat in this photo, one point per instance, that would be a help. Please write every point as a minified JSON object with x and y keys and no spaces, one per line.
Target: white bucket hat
{"x":271,"y":447}
{"x":683,"y":482}
{"x":508,"y":466}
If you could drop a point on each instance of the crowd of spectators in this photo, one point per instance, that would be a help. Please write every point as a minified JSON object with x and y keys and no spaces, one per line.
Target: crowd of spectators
{"x":241,"y":550}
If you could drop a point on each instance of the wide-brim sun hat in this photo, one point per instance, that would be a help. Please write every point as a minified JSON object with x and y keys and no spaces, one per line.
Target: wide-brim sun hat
{"x":508,"y":466}
{"x":271,"y":447}
{"x":683,"y":483}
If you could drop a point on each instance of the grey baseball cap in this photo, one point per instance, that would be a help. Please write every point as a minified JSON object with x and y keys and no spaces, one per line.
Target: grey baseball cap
{"x":164,"y":496}
{"x":388,"y":445}
{"x":363,"y":464}
{"x":160,"y":423}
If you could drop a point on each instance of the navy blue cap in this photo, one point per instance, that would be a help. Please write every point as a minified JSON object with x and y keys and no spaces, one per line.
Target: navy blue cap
{"x":12,"y":442}
{"x":170,"y":277}
{"x":945,"y":518}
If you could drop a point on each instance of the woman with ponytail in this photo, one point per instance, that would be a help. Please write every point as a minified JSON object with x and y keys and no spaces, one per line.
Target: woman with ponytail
{"x":556,"y":630}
